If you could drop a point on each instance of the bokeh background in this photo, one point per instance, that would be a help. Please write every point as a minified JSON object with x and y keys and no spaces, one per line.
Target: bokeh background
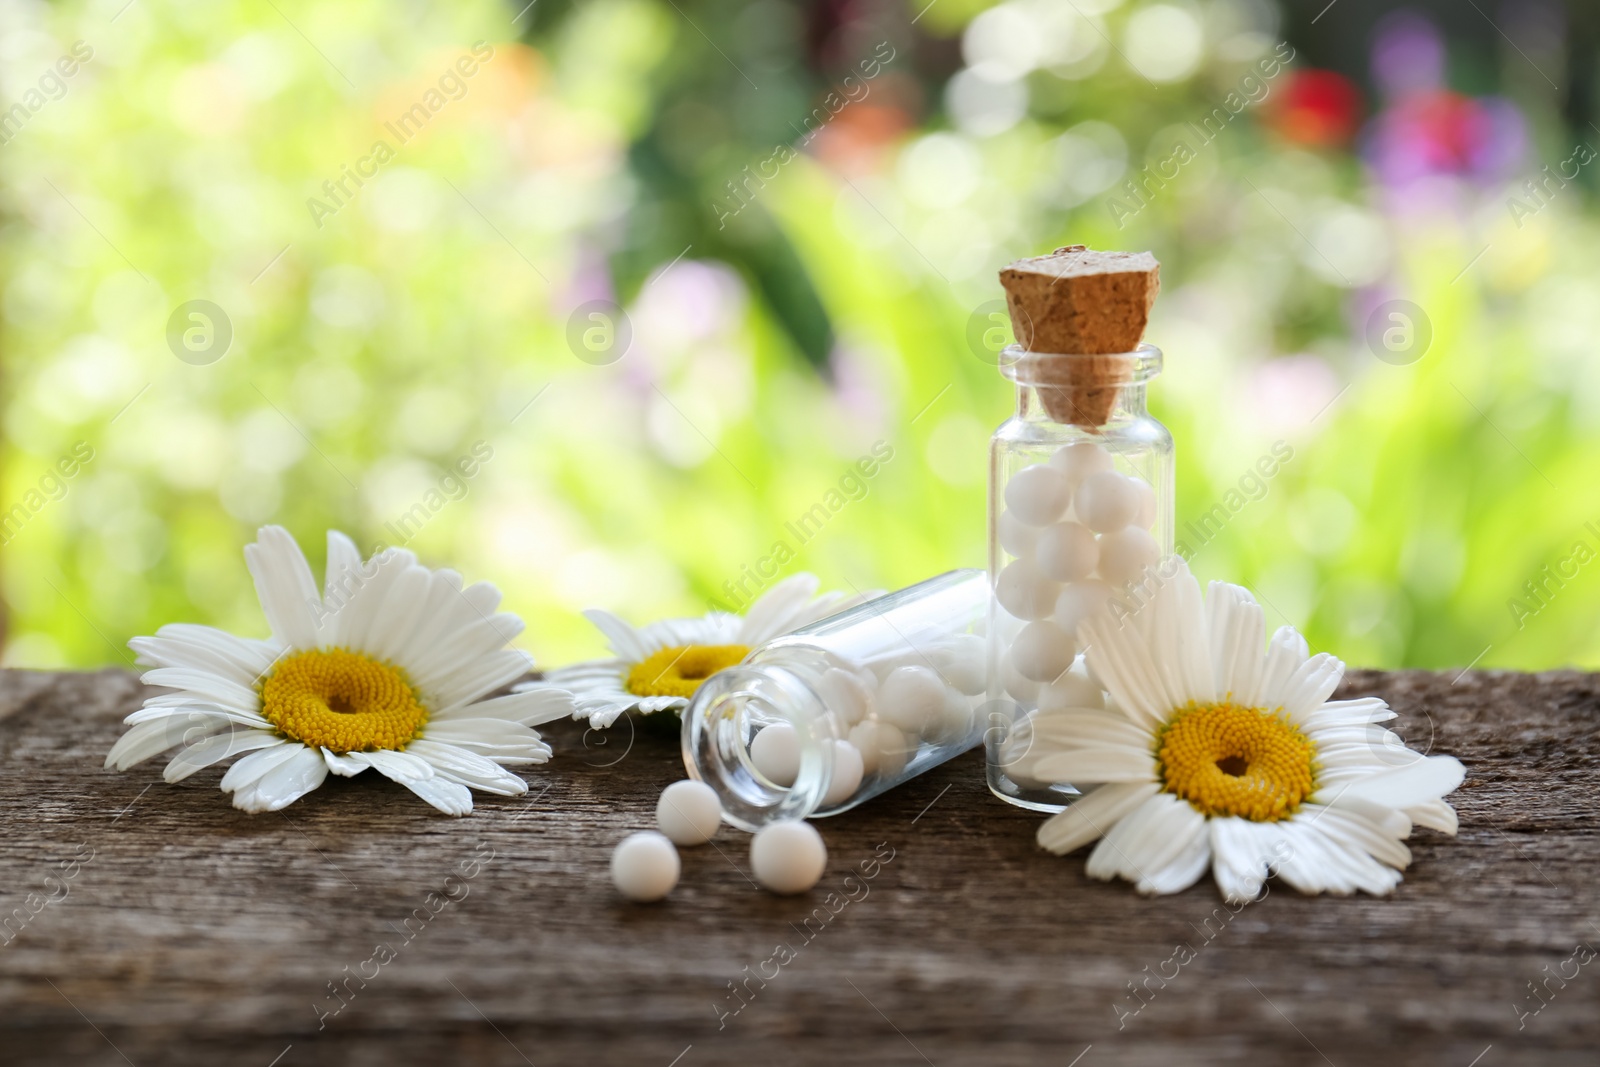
{"x":659,"y":272}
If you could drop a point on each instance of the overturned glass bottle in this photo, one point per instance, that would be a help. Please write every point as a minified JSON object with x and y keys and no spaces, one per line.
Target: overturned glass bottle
{"x":815,"y":722}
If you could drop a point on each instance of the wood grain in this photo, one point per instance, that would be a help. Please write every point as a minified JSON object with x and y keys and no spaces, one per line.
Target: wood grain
{"x":189,"y":932}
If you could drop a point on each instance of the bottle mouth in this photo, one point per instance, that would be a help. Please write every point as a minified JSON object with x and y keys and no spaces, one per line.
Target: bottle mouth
{"x":722,"y":720}
{"x":1082,"y":369}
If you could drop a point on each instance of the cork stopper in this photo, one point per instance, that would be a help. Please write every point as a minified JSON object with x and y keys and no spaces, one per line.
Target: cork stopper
{"x":1082,"y":303}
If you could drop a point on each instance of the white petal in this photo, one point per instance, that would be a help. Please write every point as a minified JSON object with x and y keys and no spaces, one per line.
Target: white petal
{"x":400,"y":767}
{"x":1310,"y":685}
{"x":151,"y":738}
{"x":1325,"y":863}
{"x":1184,"y":870}
{"x":389,"y":636}
{"x":207,"y":657}
{"x":1355,"y":831}
{"x":1407,"y":787}
{"x":1182,"y":644}
{"x":249,"y":770}
{"x":502,"y":741}
{"x":530,"y":707}
{"x":1117,"y":654}
{"x":483,"y":676}
{"x":481,"y":599}
{"x":1397,"y":824}
{"x":1091,"y":815}
{"x":1285,"y":653}
{"x":612,"y":670}
{"x":185,"y":715}
{"x":285,"y":783}
{"x":1075,"y":727}
{"x":1436,"y":815}
{"x":448,"y":607}
{"x":343,"y":574}
{"x":779,"y":610}
{"x":469,"y":769}
{"x":1177,"y":859}
{"x":216,"y":748}
{"x":1243,"y":853}
{"x":288,"y":593}
{"x":206,"y":686}
{"x":417,"y":775}
{"x":343,"y":765}
{"x":625,"y":641}
{"x":452,"y":798}
{"x":1103,"y":763}
{"x":714,"y":628}
{"x":1138,"y":839}
{"x":248,"y":653}
{"x":360,"y":609}
{"x":602,"y":715}
{"x":1348,"y":712}
{"x":467,"y":644}
{"x":1238,"y":641}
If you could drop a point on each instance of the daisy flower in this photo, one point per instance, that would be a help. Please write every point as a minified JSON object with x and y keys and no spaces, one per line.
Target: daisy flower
{"x":1210,"y":753}
{"x":659,"y":666}
{"x":388,"y":669}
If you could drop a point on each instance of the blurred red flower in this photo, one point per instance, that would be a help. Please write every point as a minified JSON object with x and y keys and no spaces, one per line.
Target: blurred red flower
{"x":1321,"y":108}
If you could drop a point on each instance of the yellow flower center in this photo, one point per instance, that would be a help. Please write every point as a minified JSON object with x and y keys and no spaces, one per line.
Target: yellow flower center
{"x":679,"y":670}
{"x":342,"y":701}
{"x":1228,"y":760}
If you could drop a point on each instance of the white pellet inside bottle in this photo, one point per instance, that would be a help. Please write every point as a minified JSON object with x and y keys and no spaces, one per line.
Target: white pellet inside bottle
{"x":816,"y":722}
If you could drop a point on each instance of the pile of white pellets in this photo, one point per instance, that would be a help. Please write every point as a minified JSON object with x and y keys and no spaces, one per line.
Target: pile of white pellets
{"x":786,"y":856}
{"x":1077,"y":530}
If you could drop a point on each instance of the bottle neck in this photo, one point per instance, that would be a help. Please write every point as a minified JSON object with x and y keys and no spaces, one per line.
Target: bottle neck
{"x":728,"y":710}
{"x":1083,"y":390}
{"x":1129,"y":405}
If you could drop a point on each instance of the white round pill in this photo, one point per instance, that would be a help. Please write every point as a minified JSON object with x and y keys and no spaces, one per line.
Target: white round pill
{"x":1125,"y":553}
{"x":1078,"y":601}
{"x":848,"y":770}
{"x":689,"y":812}
{"x":788,"y":856}
{"x":1079,"y":460}
{"x":1015,"y":536}
{"x":1066,"y":552}
{"x":846,"y":696}
{"x":1070,"y":690}
{"x":864,"y":739}
{"x":964,"y":663}
{"x":1038,"y":495}
{"x":1145,"y":517}
{"x":884,"y":749}
{"x":645,"y":866}
{"x":1107,"y":501}
{"x":1024,"y":592}
{"x":776,"y":754}
{"x":1042,"y":651}
{"x":910,"y":698}
{"x":1022,"y":689}
{"x":955,"y":719}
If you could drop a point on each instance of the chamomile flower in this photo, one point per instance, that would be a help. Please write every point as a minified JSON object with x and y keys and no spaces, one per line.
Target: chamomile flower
{"x":1210,"y":753}
{"x":658,"y":667}
{"x":389,"y":668}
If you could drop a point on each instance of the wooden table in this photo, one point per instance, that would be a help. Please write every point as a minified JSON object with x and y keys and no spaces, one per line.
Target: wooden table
{"x":172,"y":929}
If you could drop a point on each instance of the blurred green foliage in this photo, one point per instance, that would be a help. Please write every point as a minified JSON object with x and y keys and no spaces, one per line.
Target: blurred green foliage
{"x":589,"y":158}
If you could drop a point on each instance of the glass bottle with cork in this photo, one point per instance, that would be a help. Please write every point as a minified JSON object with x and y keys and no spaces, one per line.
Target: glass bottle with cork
{"x":1080,"y":492}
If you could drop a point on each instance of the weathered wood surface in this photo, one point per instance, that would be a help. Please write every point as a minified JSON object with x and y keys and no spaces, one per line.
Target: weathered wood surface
{"x":192,"y":933}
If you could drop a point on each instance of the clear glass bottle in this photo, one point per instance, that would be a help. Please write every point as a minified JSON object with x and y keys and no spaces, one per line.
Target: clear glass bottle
{"x":1076,"y":513}
{"x":817,"y":721}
